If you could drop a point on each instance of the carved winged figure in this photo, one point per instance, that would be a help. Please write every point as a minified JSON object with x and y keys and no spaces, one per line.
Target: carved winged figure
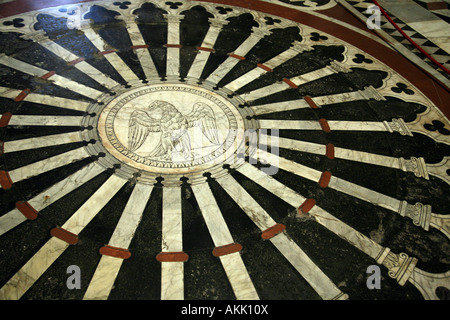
{"x":163,"y":117}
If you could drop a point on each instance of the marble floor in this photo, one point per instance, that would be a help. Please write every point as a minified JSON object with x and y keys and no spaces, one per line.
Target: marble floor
{"x":257,"y":150}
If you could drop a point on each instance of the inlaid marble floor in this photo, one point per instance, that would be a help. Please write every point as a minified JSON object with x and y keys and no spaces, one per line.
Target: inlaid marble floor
{"x":215,"y":150}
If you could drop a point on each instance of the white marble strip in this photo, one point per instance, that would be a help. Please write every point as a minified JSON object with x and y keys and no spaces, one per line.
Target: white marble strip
{"x":56,"y":79}
{"x":24,"y":279}
{"x":108,"y":268}
{"x":211,"y":213}
{"x":143,"y":54}
{"x":242,"y":50}
{"x":81,"y":218}
{"x":272,"y":185}
{"x":40,"y":142}
{"x":51,"y":195}
{"x":290,"y":250}
{"x":32,"y":120}
{"x":172,"y":239}
{"x":367,"y":93}
{"x":238,"y":276}
{"x":232,"y":263}
{"x":172,"y":280}
{"x":173,"y":38}
{"x":43,"y":259}
{"x":172,"y":273}
{"x":338,"y":184}
{"x":252,"y":208}
{"x":48,"y":164}
{"x":257,"y":72}
{"x":209,"y":41}
{"x":265,"y":91}
{"x":318,"y":280}
{"x":104,"y":277}
{"x":279,"y":106}
{"x":45,"y":99}
{"x":113,"y":58}
{"x":83,"y":66}
{"x":131,"y":216}
{"x":281,"y":86}
{"x":333,"y":68}
{"x":315,"y":125}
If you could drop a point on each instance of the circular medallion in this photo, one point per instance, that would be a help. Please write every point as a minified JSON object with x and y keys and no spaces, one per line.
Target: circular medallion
{"x":173,"y":129}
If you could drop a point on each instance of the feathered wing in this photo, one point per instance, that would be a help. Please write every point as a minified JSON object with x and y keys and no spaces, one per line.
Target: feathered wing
{"x":203,"y":116}
{"x":140,"y":125}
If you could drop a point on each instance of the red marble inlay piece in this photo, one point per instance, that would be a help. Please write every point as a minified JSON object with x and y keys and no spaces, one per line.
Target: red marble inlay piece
{"x":141,"y":46}
{"x":64,"y":235}
{"x":173,"y":45}
{"x":306,"y":206}
{"x":5,"y":180}
{"x":260,"y":65}
{"x":76,"y":61}
{"x":27,"y":210}
{"x":4,"y":120}
{"x":21,"y":96}
{"x":2,"y":147}
{"x":227,"y":249}
{"x":236,"y":56}
{"x":273,"y":231}
{"x":205,"y":49}
{"x":290,"y":83}
{"x":48,"y":75}
{"x":325,"y":179}
{"x":324,"y":124}
{"x":330,"y":151}
{"x":172,"y":257}
{"x":115,"y":252}
{"x":311,"y":102}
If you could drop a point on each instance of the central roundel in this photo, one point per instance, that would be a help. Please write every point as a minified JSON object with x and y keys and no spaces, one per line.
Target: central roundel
{"x":170,"y":128}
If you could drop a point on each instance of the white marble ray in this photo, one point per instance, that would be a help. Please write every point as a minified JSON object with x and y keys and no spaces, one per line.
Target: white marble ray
{"x":83,"y":66}
{"x":315,"y":125}
{"x":338,"y":184}
{"x":257,"y":72}
{"x":232,"y":263}
{"x":172,"y":273}
{"x":108,"y":268}
{"x":45,"y":99}
{"x":143,"y":54}
{"x":31,"y":120}
{"x":94,"y":204}
{"x":40,"y":142}
{"x":44,"y":199}
{"x":48,"y":164}
{"x":209,"y":41}
{"x":298,"y":81}
{"x":290,"y":250}
{"x":173,"y":38}
{"x":242,"y":50}
{"x":53,"y":248}
{"x":279,"y":106}
{"x":113,"y":58}
{"x":56,"y":79}
{"x":342,"y":153}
